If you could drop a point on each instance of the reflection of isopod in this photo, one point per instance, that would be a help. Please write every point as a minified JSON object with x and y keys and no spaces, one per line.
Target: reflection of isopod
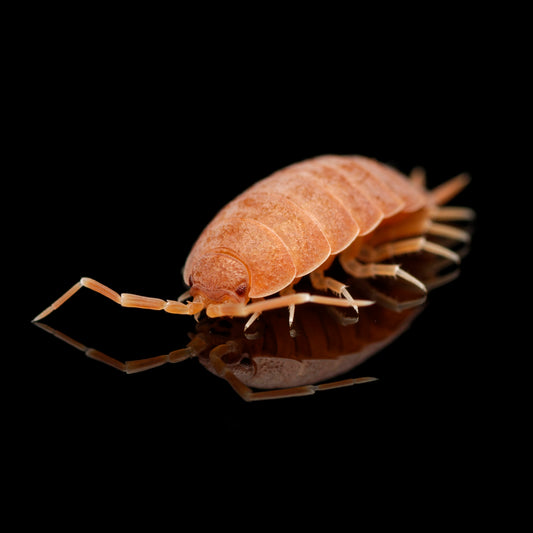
{"x":273,"y":359}
{"x":282,"y":365}
{"x":294,"y":223}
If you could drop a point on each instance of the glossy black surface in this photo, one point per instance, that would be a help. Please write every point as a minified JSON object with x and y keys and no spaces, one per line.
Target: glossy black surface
{"x":123,"y":181}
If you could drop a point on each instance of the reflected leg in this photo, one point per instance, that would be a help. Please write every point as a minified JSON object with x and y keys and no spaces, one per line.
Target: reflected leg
{"x":196,"y":346}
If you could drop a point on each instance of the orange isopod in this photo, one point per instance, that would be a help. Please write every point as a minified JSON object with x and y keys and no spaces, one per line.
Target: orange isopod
{"x":293,"y":224}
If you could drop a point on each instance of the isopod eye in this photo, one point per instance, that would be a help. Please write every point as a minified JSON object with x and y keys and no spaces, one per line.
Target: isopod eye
{"x":246,"y":362}
{"x":241,"y":289}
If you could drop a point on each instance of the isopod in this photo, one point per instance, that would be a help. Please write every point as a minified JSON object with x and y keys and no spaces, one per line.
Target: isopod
{"x":293,"y":224}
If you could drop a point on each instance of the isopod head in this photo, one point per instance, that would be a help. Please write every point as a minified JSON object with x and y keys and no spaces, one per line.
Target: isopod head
{"x":219,"y":277}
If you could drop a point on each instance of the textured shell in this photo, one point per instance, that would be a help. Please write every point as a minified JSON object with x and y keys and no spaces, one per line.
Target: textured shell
{"x":288,"y":224}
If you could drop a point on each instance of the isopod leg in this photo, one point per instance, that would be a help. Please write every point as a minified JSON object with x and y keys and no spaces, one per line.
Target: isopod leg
{"x":406,"y":246}
{"x":452,"y":213}
{"x":291,"y":298}
{"x":322,"y":282}
{"x":287,"y":291}
{"x":418,"y":177}
{"x":370,"y":270}
{"x":124,"y":299}
{"x":444,"y":192}
{"x":247,"y":394}
{"x":135,"y":365}
{"x":449,"y":232}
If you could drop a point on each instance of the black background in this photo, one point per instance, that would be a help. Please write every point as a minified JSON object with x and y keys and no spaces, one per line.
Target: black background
{"x":129,"y":152}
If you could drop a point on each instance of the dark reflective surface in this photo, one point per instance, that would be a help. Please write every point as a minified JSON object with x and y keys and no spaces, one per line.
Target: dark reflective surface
{"x":321,"y":345}
{"x":119,"y":171}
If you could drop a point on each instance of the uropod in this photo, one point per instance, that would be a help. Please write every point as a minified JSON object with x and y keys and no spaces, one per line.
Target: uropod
{"x":294,"y":224}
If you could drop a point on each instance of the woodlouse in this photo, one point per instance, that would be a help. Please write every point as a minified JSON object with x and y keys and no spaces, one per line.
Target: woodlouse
{"x":294,"y":224}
